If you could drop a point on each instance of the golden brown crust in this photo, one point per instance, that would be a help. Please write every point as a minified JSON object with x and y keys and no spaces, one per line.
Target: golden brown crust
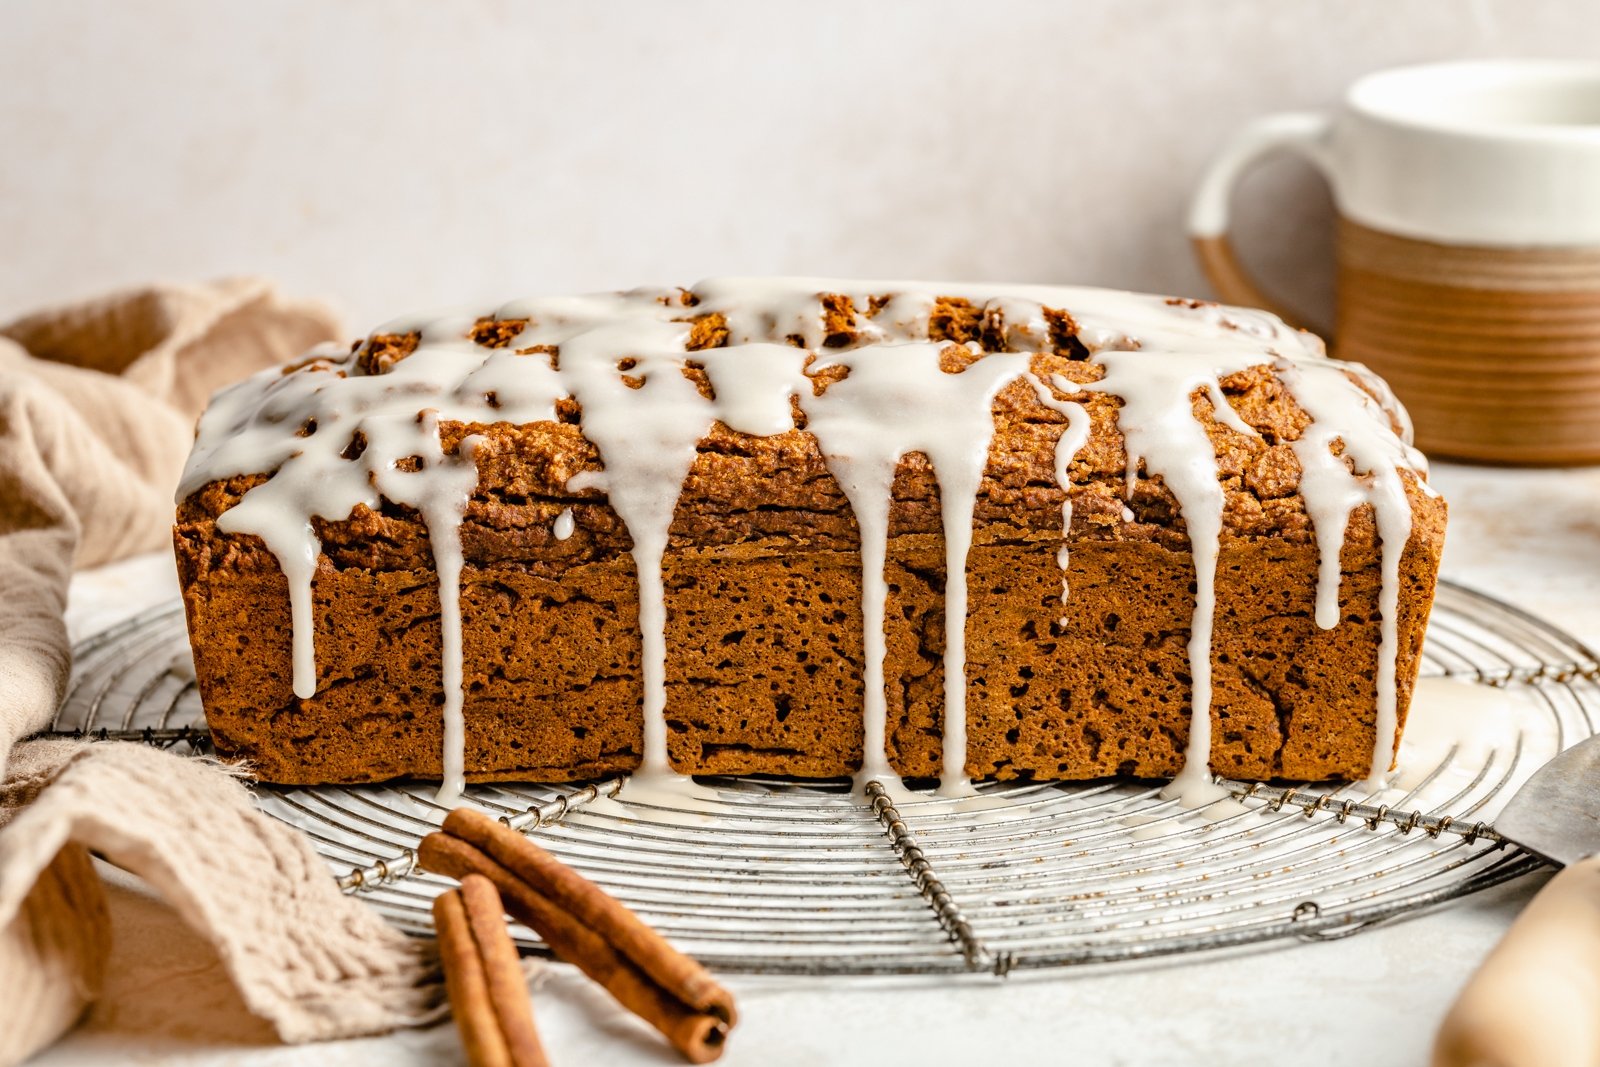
{"x":763,"y":597}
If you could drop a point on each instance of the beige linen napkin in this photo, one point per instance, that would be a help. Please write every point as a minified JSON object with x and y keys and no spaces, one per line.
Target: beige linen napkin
{"x":97,"y":408}
{"x":312,"y":962}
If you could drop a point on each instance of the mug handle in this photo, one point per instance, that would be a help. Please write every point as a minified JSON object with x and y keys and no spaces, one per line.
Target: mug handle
{"x":1302,"y":132}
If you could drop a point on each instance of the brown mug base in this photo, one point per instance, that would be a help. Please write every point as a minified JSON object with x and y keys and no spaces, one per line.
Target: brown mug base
{"x":1442,"y":322}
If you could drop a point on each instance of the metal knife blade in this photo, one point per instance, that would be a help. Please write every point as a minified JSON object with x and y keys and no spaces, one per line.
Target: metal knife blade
{"x":1556,"y":813}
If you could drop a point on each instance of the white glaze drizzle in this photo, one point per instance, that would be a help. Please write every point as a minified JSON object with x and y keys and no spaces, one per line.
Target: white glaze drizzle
{"x":1332,"y":491}
{"x":1073,"y":437}
{"x":895,"y":400}
{"x":562,"y":528}
{"x":647,"y":437}
{"x":948,"y":418}
{"x":441,"y":497}
{"x":308,"y":423}
{"x":1161,"y":435}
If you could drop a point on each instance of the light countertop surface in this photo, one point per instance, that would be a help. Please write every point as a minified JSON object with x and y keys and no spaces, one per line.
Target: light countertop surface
{"x":1529,"y":537}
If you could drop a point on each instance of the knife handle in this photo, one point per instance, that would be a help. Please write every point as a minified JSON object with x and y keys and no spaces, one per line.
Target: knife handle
{"x":1535,"y":1001}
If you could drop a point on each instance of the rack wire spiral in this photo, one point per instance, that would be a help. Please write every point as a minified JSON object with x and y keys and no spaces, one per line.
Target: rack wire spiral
{"x":806,"y":878}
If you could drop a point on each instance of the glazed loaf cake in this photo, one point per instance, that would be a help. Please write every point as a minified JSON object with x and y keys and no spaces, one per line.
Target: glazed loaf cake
{"x":811,"y":528}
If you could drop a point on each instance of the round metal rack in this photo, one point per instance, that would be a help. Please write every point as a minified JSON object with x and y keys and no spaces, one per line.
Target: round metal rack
{"x":807,"y":878}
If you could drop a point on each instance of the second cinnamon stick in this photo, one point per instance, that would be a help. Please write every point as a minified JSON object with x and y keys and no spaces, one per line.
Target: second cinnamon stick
{"x":484,"y":976}
{"x":698,"y":1035}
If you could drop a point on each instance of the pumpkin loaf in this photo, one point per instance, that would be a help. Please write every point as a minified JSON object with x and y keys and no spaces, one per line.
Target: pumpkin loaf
{"x":1137,"y":505}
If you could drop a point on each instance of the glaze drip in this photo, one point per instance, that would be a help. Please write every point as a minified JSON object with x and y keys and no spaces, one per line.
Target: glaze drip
{"x":1073,"y":438}
{"x":948,"y":418}
{"x":562,"y":528}
{"x":645,"y":418}
{"x":860,"y":362}
{"x":1155,"y":386}
{"x":1334,"y":485}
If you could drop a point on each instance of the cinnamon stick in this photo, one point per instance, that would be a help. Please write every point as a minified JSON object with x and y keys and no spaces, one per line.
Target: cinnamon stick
{"x":698,"y":1034}
{"x":484,"y":978}
{"x":680,"y":975}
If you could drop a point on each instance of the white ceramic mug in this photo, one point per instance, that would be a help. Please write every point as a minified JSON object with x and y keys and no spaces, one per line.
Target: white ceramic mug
{"x":1469,"y":246}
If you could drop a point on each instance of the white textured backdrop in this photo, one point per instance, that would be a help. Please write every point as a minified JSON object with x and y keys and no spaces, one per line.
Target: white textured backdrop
{"x":393,"y":155}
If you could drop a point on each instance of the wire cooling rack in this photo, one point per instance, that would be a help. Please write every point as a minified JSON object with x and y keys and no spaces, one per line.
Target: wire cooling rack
{"x":782,"y":877}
